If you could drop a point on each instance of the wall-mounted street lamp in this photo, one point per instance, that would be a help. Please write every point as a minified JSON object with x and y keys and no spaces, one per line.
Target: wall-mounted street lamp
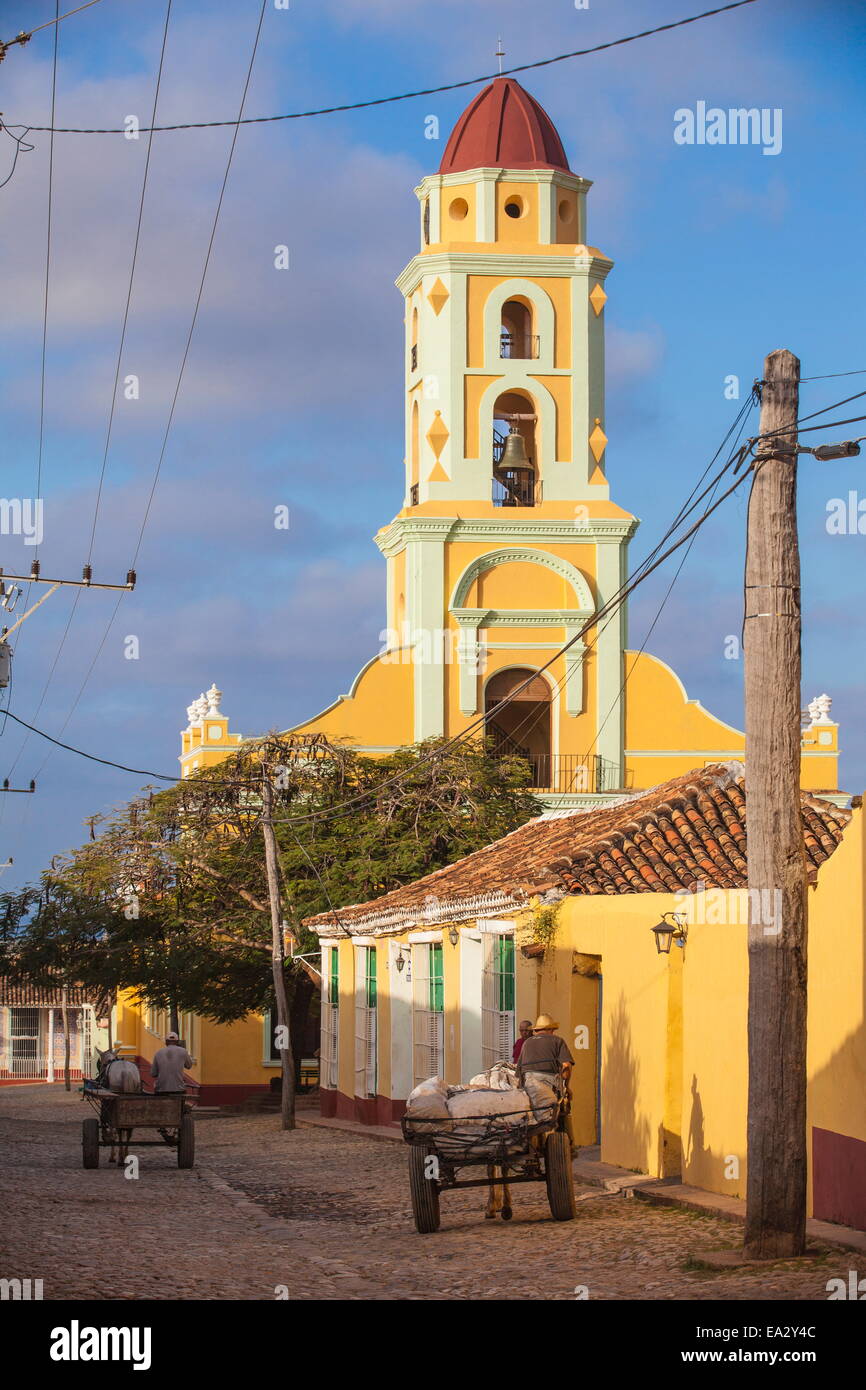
{"x":453,"y":935}
{"x":400,"y":962}
{"x":667,"y":931}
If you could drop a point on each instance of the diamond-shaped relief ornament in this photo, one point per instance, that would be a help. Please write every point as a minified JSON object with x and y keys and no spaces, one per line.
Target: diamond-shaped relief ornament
{"x":598,"y":299}
{"x":598,"y":441}
{"x":438,"y":296}
{"x":438,"y":435}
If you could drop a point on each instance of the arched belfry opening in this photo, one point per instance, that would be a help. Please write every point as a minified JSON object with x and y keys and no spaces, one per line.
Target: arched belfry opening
{"x":522,"y":728}
{"x":414,"y":455}
{"x":517,"y":338}
{"x":516,"y":480}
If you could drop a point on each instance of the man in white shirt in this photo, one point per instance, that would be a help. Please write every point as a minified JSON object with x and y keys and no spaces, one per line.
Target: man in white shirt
{"x":168,"y":1065}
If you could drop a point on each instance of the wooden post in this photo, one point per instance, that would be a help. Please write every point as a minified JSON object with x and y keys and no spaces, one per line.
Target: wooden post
{"x":776,"y":1180}
{"x":64,"y":1011}
{"x":278,"y":953}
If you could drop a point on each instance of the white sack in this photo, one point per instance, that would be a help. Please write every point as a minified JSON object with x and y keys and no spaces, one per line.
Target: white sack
{"x":542,"y":1096}
{"x":428,"y":1101}
{"x":508,"y":1106}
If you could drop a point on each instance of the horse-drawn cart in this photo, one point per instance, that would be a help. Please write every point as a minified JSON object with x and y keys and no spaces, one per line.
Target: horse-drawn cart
{"x":118,"y":1114}
{"x":526,"y":1148}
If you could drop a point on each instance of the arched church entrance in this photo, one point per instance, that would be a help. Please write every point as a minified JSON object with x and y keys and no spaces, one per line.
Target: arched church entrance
{"x":522,"y":728}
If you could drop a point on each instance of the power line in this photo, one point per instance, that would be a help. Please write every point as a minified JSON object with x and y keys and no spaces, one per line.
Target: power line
{"x":47,"y":269}
{"x":44,"y":330}
{"x":237,"y":124}
{"x":91,"y":757}
{"x":26,"y":36}
{"x":423,"y":92}
{"x":861,"y":371}
{"x":21,"y":147}
{"x":129,"y":287}
{"x":617,"y":600}
{"x":739,"y":421}
{"x":74,"y":607}
{"x":175,"y":397}
{"x":591,"y":622}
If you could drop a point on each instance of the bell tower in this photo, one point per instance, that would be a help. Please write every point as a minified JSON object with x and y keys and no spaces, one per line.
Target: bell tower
{"x":504,"y":318}
{"x":508,"y":540}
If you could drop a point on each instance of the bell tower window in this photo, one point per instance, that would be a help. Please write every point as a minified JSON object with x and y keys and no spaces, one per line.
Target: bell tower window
{"x":515,"y":472}
{"x":516,"y":337}
{"x":414,"y":459}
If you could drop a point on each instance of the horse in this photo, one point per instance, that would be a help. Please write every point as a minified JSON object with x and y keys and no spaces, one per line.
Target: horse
{"x":499,"y":1196}
{"x":120,"y":1075}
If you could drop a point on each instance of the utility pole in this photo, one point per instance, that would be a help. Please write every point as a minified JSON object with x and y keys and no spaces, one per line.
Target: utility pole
{"x":776,"y":1181}
{"x":278,"y":955}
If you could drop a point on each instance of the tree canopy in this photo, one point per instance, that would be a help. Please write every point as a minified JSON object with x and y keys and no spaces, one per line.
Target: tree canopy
{"x":169,"y":897}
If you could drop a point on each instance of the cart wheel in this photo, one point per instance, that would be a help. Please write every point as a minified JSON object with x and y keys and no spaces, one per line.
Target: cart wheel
{"x":424,"y":1192}
{"x":90,"y":1143}
{"x":186,"y":1142}
{"x":558,"y":1176}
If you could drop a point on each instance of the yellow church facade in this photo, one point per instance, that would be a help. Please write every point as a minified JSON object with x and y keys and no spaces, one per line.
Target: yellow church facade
{"x":508,"y":540}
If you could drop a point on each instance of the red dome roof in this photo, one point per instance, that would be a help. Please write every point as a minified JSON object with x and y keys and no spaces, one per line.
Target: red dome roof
{"x":504,"y":128}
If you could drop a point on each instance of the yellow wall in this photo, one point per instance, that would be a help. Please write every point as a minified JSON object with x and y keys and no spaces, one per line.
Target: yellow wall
{"x":224,"y":1053}
{"x":674,"y":1050}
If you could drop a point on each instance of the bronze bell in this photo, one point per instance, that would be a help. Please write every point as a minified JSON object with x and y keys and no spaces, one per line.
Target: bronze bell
{"x":514,"y":454}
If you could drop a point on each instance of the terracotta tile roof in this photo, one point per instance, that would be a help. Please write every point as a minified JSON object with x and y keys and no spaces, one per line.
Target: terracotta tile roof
{"x":27,"y":995}
{"x":683,"y":836}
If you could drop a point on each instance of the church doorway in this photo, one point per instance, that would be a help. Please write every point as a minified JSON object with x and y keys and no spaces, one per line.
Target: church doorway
{"x":522,"y":728}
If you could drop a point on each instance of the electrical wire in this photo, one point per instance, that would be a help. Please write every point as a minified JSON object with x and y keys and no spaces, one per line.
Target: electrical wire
{"x":107,"y":762}
{"x":47,"y":271}
{"x":25,"y":36}
{"x":176,"y":394}
{"x":619,"y":598}
{"x":79,"y":592}
{"x":130,"y":285}
{"x":591,"y":622}
{"x":741,"y":422}
{"x":237,"y":125}
{"x":21,"y":147}
{"x":860,"y":371}
{"x":423,"y":92}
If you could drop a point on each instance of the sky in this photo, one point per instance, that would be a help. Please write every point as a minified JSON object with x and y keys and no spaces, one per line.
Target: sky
{"x":292,"y":393}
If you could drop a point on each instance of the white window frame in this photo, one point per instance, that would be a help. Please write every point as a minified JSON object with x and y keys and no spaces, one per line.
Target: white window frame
{"x":497,"y":1025}
{"x":365,"y":1027}
{"x":428,"y":1025}
{"x":329,"y":1049}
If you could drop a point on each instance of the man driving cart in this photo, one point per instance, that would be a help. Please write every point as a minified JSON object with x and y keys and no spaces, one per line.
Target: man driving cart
{"x":546,"y":1052}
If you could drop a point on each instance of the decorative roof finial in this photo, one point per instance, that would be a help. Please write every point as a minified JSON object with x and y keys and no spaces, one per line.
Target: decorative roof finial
{"x":819,"y":710}
{"x":213,"y":698}
{"x":500,"y":54}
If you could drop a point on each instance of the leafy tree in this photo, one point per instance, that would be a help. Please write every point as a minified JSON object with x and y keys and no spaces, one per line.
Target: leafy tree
{"x":171,"y":898}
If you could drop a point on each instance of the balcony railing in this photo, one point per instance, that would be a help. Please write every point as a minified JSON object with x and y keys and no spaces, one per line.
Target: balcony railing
{"x":519,"y":345}
{"x":516,"y":489}
{"x":569,"y":772}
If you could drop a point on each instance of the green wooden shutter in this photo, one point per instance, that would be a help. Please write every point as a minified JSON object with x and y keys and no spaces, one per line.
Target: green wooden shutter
{"x":371,"y":977}
{"x":437,"y":989}
{"x":334,"y":985}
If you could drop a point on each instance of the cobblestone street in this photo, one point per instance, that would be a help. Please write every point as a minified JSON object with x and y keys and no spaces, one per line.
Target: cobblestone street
{"x":326,"y":1214}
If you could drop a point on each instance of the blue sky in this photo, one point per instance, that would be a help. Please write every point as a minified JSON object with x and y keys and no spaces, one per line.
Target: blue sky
{"x":293,"y":391}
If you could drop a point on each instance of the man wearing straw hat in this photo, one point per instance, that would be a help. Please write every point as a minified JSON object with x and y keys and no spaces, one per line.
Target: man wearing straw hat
{"x":546,"y":1052}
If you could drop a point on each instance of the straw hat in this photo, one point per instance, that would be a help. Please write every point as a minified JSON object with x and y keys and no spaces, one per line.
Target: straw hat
{"x":543,"y":1022}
